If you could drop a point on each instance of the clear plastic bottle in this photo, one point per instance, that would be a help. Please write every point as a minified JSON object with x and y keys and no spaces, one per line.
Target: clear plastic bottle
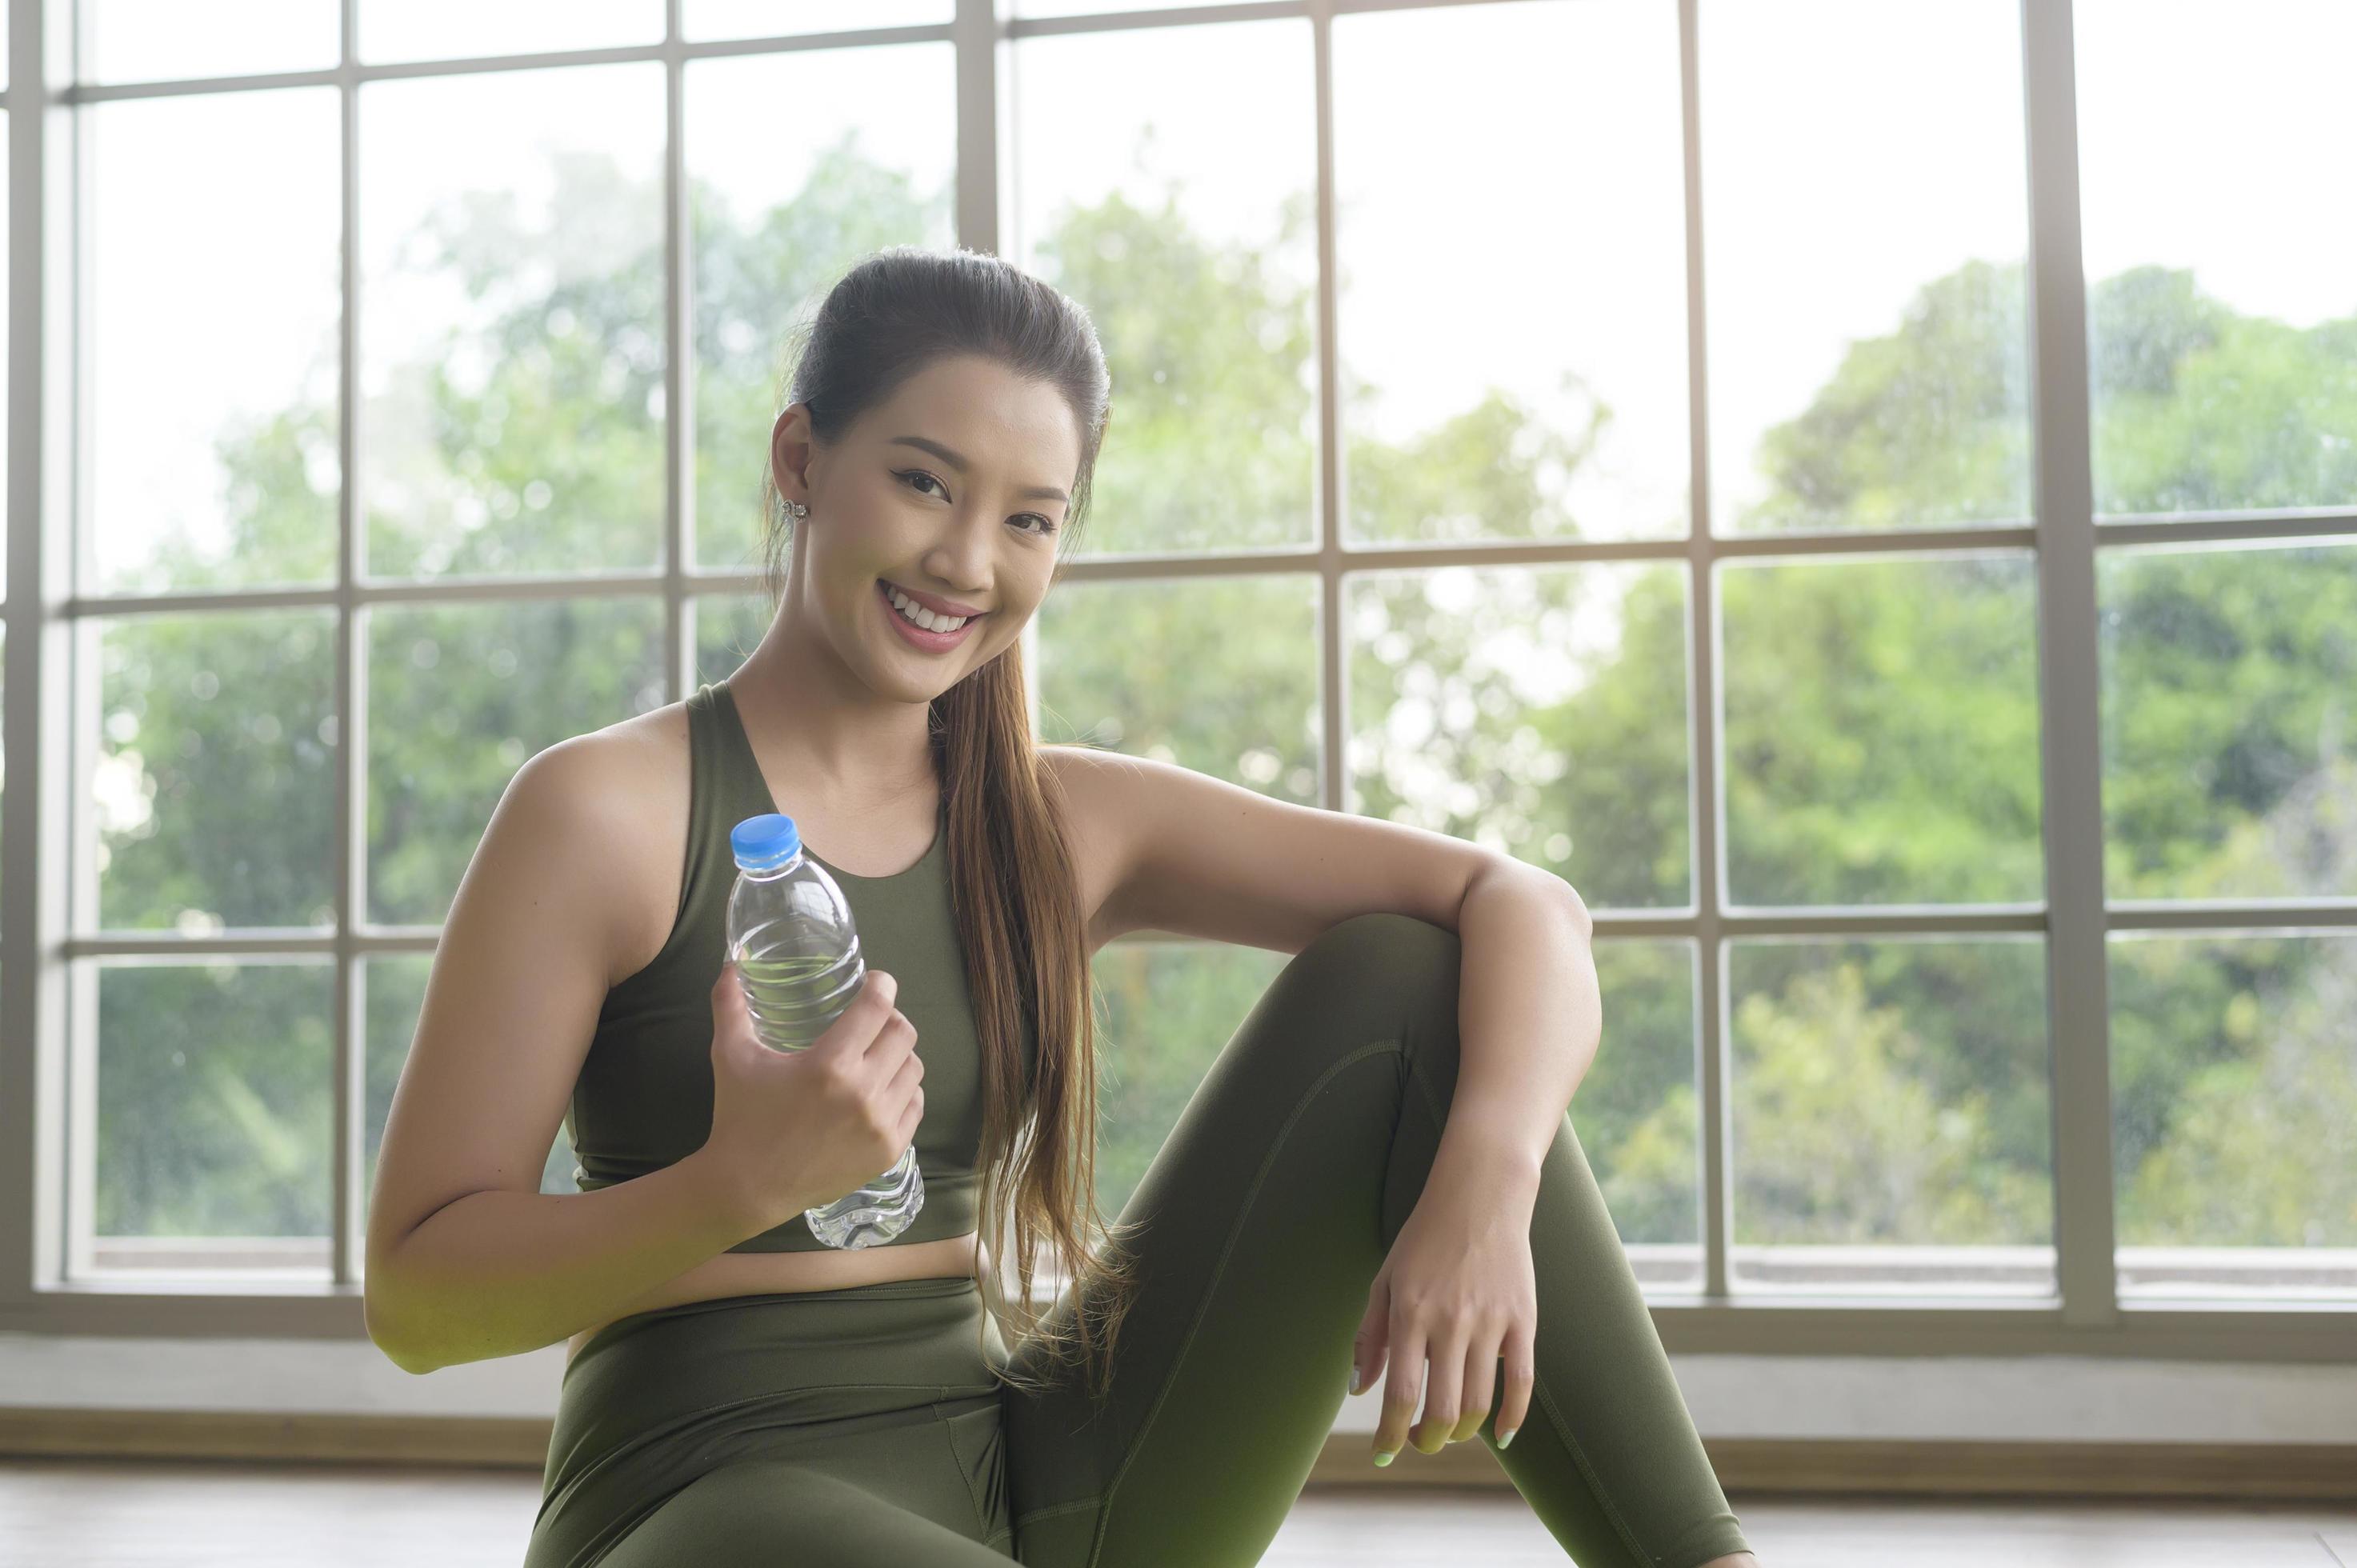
{"x":797,"y":954}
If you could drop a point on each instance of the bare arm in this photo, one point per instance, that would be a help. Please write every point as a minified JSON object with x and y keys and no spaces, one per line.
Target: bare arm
{"x":467,"y":1257}
{"x":500,"y":1272}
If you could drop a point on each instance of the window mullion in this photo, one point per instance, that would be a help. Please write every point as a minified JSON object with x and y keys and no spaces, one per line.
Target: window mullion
{"x":2077,"y":1010}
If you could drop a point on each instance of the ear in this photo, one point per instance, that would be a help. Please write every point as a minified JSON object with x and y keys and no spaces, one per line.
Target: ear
{"x":790,"y":453}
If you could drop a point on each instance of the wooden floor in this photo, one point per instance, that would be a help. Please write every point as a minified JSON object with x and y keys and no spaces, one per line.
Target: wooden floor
{"x":79,"y":1514}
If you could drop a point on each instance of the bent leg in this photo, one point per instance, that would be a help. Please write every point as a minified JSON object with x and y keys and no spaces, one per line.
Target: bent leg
{"x":1262,"y":1224}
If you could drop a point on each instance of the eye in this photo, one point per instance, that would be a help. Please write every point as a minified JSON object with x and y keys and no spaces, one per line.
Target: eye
{"x":1046,"y":526}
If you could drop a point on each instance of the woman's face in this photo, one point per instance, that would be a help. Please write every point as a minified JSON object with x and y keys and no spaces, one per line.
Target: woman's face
{"x":954,"y":488}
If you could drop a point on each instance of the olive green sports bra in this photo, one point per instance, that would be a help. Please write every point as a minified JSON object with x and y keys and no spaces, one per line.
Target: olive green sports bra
{"x":644,"y":1097}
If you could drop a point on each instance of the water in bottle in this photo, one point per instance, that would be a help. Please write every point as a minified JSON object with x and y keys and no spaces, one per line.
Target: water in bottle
{"x":797,"y":954}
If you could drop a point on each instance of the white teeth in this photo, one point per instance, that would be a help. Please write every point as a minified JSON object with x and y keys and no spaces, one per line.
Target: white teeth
{"x":910,"y":611}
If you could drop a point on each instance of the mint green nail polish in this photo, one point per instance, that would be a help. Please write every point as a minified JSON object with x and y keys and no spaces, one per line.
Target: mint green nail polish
{"x":1354,"y":1376}
{"x":1507,"y":1436}
{"x":1381,"y":1458}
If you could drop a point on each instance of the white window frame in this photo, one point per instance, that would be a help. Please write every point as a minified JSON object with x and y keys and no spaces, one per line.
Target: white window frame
{"x":47,"y":1000}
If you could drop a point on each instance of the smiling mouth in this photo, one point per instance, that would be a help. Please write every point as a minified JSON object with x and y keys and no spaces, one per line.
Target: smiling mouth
{"x":885,"y":591}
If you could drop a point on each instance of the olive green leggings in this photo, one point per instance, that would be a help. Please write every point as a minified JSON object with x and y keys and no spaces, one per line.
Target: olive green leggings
{"x":860,"y":1426}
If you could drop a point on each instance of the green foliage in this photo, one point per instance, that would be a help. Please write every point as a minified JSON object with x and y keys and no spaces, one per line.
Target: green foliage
{"x":1926,"y":425}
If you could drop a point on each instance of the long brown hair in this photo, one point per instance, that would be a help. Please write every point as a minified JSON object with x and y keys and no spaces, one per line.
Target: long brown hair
{"x":1012,"y":882}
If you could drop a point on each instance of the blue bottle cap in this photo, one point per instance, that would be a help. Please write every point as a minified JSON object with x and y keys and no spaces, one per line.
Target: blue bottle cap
{"x":764,"y":843}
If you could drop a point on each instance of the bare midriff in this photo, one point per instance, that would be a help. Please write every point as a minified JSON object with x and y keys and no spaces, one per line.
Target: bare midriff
{"x":831,"y":1268}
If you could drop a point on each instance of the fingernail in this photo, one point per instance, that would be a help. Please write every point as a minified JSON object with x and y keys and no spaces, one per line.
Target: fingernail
{"x":1354,"y":1376}
{"x":1382,"y":1458}
{"x":1507,"y":1436}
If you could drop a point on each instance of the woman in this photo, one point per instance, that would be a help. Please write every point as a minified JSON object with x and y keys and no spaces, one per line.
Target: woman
{"x":739,"y":1392}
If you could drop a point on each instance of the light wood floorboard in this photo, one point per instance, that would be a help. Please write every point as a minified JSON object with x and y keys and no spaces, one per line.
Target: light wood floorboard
{"x":143,"y":1513}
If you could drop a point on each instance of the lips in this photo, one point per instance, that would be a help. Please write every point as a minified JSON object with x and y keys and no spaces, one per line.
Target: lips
{"x":917,"y":635}
{"x":940,"y":606}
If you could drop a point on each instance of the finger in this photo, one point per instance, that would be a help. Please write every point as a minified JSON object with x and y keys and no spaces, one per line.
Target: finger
{"x":1369,"y":1346}
{"x":1521,"y":1375}
{"x":1442,"y":1391}
{"x":1401,"y":1392}
{"x":893,"y":1046}
{"x":1480,"y":1383}
{"x":876,"y":995}
{"x":911,"y":1074}
{"x":729,"y":997}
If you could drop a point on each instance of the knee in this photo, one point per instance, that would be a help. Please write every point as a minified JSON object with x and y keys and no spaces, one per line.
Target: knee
{"x":1385,"y":942}
{"x":1399,"y":965}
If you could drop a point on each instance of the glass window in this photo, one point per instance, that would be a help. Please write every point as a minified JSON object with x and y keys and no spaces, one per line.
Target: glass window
{"x":1889,"y":1138}
{"x":2221,"y":274}
{"x":1881,"y":742}
{"x":1864,"y":215}
{"x":511,"y":357}
{"x":1512,"y":301}
{"x":215,"y":329}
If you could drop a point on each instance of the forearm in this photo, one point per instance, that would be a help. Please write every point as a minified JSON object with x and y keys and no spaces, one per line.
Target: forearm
{"x":1529,"y":1020}
{"x":498,"y":1274}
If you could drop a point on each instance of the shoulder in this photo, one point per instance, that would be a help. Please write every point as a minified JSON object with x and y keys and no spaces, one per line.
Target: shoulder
{"x":1090,"y":785}
{"x":623,"y":789}
{"x":599,"y":777}
{"x":1097,"y":799}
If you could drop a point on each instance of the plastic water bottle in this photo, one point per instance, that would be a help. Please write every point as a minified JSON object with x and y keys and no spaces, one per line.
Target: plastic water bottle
{"x":797,"y":954}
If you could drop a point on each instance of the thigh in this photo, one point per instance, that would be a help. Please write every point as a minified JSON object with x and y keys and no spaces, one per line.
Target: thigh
{"x":792,"y":1427}
{"x":765,"y":1514}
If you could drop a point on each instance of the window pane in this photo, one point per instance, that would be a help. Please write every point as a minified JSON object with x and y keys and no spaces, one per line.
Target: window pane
{"x":513,"y":367}
{"x":1637,"y":1113}
{"x":867,"y":159}
{"x":172,"y":40}
{"x":2230,"y":721}
{"x":1168,"y":1009}
{"x":459,"y":695}
{"x":449,"y":29}
{"x":214,"y":794}
{"x":2223,"y":299}
{"x":214,"y":341}
{"x":768,"y":18}
{"x":2234,"y":1119}
{"x":728,"y":627}
{"x":1882,"y":742}
{"x":1890,"y":1110}
{"x":1219,"y":674}
{"x":215,"y":1093}
{"x":1185,"y":220}
{"x":1562,"y":157}
{"x":1537,"y":711}
{"x":396,"y":995}
{"x":1865,"y":225}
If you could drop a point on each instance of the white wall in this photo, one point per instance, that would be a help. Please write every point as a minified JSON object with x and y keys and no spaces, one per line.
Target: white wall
{"x":2056,"y":1397}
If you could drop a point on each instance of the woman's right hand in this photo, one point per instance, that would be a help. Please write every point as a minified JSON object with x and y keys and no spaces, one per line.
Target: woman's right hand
{"x":793,"y":1130}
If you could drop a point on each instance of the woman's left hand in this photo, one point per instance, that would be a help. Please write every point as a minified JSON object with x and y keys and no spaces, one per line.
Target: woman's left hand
{"x":1458,"y":1290}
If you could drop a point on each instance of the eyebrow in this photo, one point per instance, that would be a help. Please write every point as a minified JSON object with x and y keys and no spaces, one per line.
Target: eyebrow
{"x":1036,"y":493}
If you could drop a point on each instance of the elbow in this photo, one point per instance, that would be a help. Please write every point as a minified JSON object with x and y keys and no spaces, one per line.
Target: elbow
{"x":385,"y":1332}
{"x":1582,"y":922}
{"x":396,"y":1351}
